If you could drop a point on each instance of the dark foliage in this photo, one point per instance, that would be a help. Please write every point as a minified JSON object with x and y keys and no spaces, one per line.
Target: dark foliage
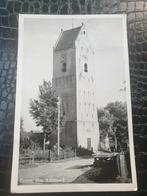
{"x":113,"y":122}
{"x":84,"y":152}
{"x":44,"y":111}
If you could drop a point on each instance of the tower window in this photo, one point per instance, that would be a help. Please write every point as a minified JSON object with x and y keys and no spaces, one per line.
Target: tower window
{"x":64,"y":67}
{"x":85,"y":67}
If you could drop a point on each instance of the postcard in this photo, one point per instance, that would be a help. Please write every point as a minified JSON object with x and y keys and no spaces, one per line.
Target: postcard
{"x":73,"y":118}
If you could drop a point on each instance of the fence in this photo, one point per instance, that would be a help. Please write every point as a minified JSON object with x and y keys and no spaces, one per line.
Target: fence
{"x":26,"y":159}
{"x":52,"y":155}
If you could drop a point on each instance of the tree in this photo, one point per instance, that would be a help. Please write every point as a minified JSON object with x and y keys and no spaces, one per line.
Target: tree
{"x":105,"y":126}
{"x":113,"y":122}
{"x":44,"y":111}
{"x":21,"y":125}
{"x":24,"y":138}
{"x":120,"y":123}
{"x":105,"y":120}
{"x":36,"y":139}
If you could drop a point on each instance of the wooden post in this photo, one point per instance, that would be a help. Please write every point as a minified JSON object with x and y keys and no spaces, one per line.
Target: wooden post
{"x":123,"y":166}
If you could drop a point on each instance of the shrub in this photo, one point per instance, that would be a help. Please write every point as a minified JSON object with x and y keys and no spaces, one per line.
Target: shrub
{"x":84,"y":152}
{"x":66,"y":152}
{"x":40,"y":155}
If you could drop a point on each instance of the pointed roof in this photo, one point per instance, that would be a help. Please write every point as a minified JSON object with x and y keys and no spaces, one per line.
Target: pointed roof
{"x":67,"y":39}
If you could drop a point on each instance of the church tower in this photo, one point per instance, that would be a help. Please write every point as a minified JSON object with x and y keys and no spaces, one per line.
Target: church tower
{"x":74,"y":82}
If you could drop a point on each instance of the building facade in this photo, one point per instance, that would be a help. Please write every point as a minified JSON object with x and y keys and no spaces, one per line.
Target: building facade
{"x":74,"y":81}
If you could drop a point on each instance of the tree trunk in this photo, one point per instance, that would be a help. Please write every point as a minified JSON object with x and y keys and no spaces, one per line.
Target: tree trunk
{"x":49,"y":155}
{"x":44,"y":142}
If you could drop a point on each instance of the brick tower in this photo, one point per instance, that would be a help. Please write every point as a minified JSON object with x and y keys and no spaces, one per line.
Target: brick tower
{"x":74,"y":82}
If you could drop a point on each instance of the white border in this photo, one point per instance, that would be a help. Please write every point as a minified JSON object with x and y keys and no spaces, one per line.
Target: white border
{"x":15,"y":188}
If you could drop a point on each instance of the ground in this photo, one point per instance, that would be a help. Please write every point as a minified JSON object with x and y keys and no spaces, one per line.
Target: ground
{"x":64,"y":171}
{"x":73,"y":170}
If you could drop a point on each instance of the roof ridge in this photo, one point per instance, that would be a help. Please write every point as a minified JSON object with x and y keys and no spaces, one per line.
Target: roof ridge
{"x":73,"y":28}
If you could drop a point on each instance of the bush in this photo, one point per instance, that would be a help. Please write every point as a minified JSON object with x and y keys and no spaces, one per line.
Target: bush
{"x":40,"y":155}
{"x":84,"y":152}
{"x":66,"y":152}
{"x":69,"y":152}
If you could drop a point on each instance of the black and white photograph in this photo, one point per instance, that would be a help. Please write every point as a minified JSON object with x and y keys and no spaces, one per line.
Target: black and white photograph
{"x":73,"y":118}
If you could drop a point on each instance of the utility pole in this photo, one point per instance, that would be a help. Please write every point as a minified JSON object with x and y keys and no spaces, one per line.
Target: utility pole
{"x":58,"y":135}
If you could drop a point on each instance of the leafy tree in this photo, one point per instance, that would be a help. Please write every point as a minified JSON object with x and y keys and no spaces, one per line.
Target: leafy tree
{"x":36,"y":138}
{"x":113,"y":122}
{"x":105,"y":121}
{"x":44,"y":111}
{"x":120,"y":123}
{"x":29,"y":140}
{"x":24,"y":138}
{"x":105,"y":126}
{"x":21,"y":125}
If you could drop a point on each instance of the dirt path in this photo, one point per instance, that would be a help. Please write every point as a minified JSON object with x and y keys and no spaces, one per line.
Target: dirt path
{"x":58,"y":172}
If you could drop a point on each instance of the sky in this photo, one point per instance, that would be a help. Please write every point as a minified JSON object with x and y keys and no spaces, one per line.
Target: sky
{"x":41,"y":34}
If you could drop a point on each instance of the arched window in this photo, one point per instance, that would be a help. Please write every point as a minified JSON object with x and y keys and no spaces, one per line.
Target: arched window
{"x":85,"y":67}
{"x":64,"y":67}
